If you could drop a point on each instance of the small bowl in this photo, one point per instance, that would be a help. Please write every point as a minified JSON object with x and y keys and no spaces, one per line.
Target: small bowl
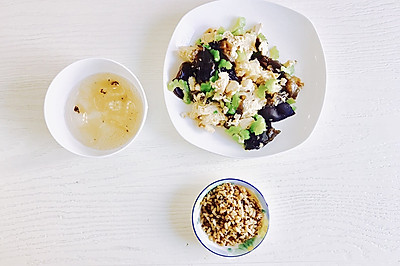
{"x":239,"y":249}
{"x":60,"y":90}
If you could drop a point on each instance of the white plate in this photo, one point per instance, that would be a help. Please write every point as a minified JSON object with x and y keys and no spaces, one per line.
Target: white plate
{"x":295,"y":37}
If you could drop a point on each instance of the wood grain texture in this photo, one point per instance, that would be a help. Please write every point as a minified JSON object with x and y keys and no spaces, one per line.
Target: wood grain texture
{"x":334,"y":200}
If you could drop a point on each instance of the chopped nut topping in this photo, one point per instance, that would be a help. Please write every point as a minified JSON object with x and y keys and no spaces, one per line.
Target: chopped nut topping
{"x":230,"y":214}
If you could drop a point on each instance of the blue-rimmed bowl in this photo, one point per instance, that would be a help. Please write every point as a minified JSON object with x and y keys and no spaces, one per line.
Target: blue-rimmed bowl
{"x":239,"y":249}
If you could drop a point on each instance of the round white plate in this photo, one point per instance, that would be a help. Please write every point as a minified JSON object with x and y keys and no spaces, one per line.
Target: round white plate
{"x":295,"y":37}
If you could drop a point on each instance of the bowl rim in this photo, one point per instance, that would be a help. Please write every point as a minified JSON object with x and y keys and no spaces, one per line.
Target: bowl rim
{"x":51,"y":88}
{"x":223,"y":181}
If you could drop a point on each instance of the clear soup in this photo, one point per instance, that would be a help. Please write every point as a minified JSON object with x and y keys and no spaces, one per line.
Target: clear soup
{"x":104,"y":112}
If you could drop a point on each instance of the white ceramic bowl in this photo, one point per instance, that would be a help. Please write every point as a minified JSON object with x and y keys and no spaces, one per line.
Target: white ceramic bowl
{"x":237,"y":250}
{"x":62,"y":86}
{"x":295,"y":37}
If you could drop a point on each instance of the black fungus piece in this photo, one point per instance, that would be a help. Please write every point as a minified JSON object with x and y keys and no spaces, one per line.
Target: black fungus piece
{"x":258,"y":44}
{"x":256,"y":55}
{"x":215,"y":45}
{"x":185,"y":71}
{"x":293,"y":86}
{"x":256,"y":142}
{"x":204,"y":66}
{"x":178,"y":92}
{"x":272,"y":133}
{"x":265,"y":61}
{"x":276,"y":113}
{"x":259,"y":141}
{"x":220,"y":46}
{"x":281,"y":75}
{"x":231,"y":73}
{"x":275,"y":64}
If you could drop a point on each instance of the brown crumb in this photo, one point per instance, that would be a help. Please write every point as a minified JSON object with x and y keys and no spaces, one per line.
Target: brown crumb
{"x":76,"y":109}
{"x":230,"y":214}
{"x":115,"y":83}
{"x":103,"y":91}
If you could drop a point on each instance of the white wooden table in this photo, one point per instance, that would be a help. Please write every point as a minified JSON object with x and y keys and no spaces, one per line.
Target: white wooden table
{"x":334,"y":200}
